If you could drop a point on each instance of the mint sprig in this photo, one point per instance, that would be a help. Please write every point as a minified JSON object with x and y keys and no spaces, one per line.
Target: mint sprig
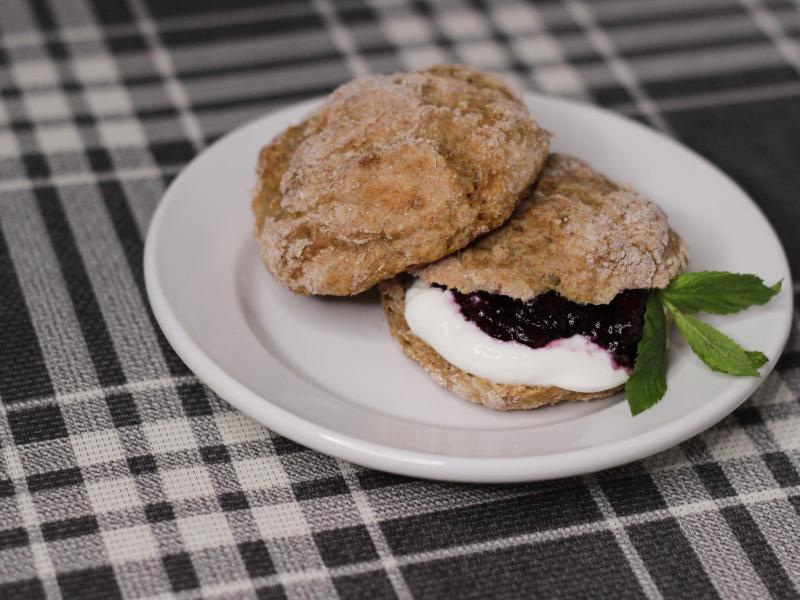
{"x":715,"y":292}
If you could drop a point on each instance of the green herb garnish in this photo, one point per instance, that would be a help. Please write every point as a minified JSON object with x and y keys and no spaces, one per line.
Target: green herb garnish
{"x":714,"y":292}
{"x":717,"y":292}
{"x":648,"y":382}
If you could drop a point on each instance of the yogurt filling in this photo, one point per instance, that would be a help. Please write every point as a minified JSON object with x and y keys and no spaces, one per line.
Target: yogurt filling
{"x":573,"y":363}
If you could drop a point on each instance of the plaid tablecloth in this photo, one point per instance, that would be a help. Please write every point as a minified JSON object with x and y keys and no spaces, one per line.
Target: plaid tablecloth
{"x":122,"y":476}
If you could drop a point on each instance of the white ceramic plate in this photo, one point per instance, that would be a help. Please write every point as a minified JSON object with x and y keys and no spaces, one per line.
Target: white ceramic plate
{"x":326,"y":373}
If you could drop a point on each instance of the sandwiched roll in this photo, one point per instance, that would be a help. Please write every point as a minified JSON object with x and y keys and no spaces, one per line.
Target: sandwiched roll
{"x":550,"y":306}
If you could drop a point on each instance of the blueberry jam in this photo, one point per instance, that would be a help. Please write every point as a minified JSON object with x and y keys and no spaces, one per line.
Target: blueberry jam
{"x":617,"y":326}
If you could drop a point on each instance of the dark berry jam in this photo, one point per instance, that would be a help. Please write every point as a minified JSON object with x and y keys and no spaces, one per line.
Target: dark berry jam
{"x":617,"y":326}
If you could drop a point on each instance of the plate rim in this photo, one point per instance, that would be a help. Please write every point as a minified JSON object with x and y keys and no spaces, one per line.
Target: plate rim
{"x":430,"y":465}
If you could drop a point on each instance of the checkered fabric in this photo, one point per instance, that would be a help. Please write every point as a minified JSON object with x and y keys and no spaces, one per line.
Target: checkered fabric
{"x":121,"y":475}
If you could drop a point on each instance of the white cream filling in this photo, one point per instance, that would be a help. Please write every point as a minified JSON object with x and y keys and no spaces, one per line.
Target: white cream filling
{"x":574,"y":363}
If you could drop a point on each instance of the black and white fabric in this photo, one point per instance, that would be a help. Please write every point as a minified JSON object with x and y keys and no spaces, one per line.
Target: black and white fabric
{"x":121,"y":475}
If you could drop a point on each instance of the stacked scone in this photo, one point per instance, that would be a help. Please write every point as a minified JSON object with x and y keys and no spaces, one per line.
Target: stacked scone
{"x":515,"y":278}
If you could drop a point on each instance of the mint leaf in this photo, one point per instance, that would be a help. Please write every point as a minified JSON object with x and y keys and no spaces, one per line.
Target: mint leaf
{"x":715,"y":348}
{"x":757,"y":359}
{"x":648,"y":381}
{"x":717,"y":292}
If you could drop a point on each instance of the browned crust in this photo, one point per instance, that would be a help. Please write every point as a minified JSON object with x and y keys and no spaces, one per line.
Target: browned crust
{"x":475,"y":389}
{"x":390,"y":173}
{"x":578,"y":233}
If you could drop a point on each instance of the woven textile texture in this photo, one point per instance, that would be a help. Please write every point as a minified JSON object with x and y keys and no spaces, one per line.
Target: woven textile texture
{"x":122,"y":476}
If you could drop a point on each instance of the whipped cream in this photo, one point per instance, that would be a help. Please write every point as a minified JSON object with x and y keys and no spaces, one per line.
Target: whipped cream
{"x":575,"y":363}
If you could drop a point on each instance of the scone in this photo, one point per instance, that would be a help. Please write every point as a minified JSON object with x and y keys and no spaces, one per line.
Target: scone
{"x":550,"y":306}
{"x":392,"y":172}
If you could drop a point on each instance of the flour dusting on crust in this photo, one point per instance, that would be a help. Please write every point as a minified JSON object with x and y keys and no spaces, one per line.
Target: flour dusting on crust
{"x":392,"y":172}
{"x":577,"y":233}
